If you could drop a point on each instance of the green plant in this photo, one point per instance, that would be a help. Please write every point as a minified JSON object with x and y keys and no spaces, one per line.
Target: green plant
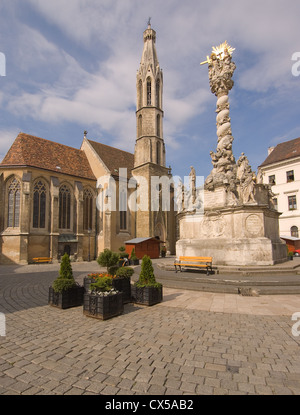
{"x":290,"y":254}
{"x":147,"y":277}
{"x":102,"y":284}
{"x":66,"y":279}
{"x":108,"y":259}
{"x":126,"y":272}
{"x":133,"y":256}
{"x":122,"y":253}
{"x":113,"y":270}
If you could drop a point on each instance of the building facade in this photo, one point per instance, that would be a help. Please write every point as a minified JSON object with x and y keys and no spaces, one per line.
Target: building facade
{"x":281,"y":170}
{"x":52,"y":201}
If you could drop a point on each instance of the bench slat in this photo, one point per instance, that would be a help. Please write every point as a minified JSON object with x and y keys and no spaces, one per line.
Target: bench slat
{"x":42,"y":259}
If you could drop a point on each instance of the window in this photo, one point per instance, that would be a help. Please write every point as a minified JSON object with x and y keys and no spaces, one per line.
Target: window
{"x":290,"y":176}
{"x":158,"y":125}
{"x":39,"y":205}
{"x":292,"y":203}
{"x":294,"y":231}
{"x":140,"y":94}
{"x":14,"y":196}
{"x":158,"y":152}
{"x":158,"y":93}
{"x":149,"y":91}
{"x":88,"y":200}
{"x":275,"y":203}
{"x":140,"y":126}
{"x":123,"y":211}
{"x":64,"y":207}
{"x":272,"y":180}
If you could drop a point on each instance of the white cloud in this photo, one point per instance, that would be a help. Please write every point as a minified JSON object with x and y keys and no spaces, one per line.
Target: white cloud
{"x":7,"y":137}
{"x":56,"y":86}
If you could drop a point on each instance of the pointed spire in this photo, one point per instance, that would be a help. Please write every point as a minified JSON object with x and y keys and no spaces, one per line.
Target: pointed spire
{"x":149,"y":57}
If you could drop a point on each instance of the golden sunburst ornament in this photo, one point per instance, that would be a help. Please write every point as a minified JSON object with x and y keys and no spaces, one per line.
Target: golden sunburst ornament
{"x":219,"y":52}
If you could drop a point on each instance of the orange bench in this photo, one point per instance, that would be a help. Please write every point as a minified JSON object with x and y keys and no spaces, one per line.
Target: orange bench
{"x":194,"y":262}
{"x":42,"y":260}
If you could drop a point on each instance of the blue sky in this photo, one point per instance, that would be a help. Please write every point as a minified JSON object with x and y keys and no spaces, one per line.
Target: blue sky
{"x":71,"y":66}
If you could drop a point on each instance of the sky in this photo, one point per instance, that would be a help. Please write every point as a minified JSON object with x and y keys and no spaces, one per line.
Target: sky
{"x":71,"y":66}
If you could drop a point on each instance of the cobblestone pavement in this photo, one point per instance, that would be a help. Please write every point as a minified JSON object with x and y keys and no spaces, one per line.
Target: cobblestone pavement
{"x":174,"y":348}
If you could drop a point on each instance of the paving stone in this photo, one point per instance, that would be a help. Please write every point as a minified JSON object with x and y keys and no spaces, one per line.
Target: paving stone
{"x":159,"y":350}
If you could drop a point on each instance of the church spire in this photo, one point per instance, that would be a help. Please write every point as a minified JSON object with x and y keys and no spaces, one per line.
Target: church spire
{"x":150,"y":146}
{"x":149,"y":62}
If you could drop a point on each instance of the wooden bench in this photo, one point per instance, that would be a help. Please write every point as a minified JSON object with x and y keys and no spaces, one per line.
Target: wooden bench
{"x":42,"y":260}
{"x":194,"y":262}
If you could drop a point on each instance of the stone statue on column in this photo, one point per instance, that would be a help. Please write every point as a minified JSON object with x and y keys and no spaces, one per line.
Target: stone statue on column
{"x":221,"y":70}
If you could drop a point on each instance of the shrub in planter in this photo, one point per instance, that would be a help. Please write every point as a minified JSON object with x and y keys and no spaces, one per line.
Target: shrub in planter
{"x":133,"y":258}
{"x":103,"y":301}
{"x":120,"y":282}
{"x":65,"y":292}
{"x":125,"y":272}
{"x":146,"y":290}
{"x":108,"y":259}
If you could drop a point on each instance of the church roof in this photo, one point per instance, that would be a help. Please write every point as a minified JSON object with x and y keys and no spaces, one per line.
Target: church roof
{"x":30,"y":151}
{"x":283,"y":151}
{"x":113,"y":158}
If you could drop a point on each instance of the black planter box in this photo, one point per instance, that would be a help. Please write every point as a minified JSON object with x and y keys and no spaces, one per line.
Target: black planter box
{"x":103,"y":307}
{"x":119,"y":284}
{"x":124,"y":285}
{"x":147,"y":295}
{"x":73,"y":297}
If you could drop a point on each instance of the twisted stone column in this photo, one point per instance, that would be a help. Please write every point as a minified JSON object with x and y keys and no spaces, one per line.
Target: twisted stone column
{"x":221,"y":70}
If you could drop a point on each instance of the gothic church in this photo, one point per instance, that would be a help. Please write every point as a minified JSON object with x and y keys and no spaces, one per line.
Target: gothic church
{"x":49,"y":191}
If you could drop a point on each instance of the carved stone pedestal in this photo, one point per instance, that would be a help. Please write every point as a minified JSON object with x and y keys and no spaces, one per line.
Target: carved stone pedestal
{"x":240,"y":235}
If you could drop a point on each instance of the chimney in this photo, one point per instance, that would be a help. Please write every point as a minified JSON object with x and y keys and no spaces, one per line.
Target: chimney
{"x":270,"y":149}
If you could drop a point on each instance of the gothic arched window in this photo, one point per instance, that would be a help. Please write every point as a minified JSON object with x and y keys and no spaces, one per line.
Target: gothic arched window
{"x":158,"y":152}
{"x":88,"y":201}
{"x":39,"y":205}
{"x":149,"y":92}
{"x":64,"y":207}
{"x":140,"y":126}
{"x":158,"y":93}
{"x":14,"y":197}
{"x":158,"y":125}
{"x":140,"y":94}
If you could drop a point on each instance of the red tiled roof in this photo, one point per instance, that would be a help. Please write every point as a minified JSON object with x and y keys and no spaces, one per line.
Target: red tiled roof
{"x":31,"y":151}
{"x":283,"y":151}
{"x":113,"y":158}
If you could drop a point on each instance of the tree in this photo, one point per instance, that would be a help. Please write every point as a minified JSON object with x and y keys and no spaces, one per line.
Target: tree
{"x":108,"y":259}
{"x":66,"y":279}
{"x":147,"y":277}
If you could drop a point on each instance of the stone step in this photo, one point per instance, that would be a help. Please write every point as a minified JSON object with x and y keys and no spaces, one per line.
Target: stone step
{"x":231,"y":287}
